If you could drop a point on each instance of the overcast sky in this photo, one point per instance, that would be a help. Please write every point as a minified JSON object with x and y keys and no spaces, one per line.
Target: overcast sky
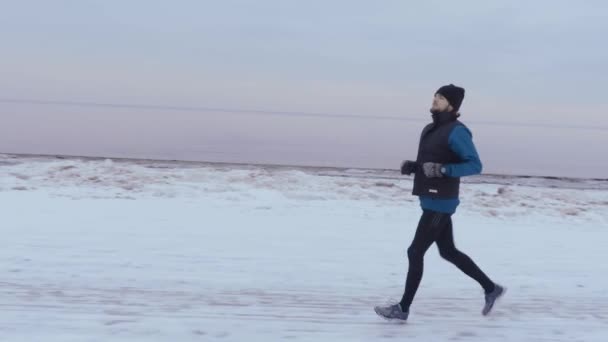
{"x":333,"y":83}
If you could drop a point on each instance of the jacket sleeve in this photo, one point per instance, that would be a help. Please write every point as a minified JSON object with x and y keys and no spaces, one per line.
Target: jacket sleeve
{"x":461,"y":142}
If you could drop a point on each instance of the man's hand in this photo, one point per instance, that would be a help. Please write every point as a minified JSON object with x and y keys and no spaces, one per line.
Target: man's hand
{"x":408,"y":167}
{"x":432,"y":170}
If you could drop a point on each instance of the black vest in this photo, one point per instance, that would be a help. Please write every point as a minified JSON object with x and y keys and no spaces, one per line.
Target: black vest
{"x":434,"y":147}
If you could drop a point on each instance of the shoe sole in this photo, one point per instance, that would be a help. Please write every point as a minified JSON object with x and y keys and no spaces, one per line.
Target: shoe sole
{"x":390,"y":319}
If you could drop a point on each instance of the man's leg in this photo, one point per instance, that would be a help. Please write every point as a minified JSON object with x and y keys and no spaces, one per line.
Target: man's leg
{"x":447,"y":250}
{"x":430,"y":225}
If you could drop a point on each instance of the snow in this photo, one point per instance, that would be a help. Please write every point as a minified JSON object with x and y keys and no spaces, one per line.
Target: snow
{"x":103,"y":250}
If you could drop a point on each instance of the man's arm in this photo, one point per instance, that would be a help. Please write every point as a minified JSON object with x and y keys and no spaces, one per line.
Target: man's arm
{"x":461,"y":142}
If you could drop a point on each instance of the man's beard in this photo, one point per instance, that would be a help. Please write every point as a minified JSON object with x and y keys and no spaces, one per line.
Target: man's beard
{"x":435,"y":111}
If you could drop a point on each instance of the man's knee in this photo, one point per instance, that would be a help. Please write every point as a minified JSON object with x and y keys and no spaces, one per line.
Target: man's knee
{"x":414,"y":254}
{"x":448,"y":253}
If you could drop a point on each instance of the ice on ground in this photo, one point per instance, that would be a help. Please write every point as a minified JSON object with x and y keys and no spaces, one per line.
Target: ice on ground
{"x":112,"y":250}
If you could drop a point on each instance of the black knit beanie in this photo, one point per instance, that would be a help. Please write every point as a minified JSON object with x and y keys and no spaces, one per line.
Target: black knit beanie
{"x":453,"y":94}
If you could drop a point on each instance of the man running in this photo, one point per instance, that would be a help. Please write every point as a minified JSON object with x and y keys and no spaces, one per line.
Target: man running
{"x":446,"y":152}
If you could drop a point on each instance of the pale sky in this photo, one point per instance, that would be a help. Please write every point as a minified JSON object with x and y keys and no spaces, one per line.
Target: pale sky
{"x":326,"y":83}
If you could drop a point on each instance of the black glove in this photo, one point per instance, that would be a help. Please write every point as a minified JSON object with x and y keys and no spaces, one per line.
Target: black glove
{"x":432,"y":170}
{"x":408,"y":167}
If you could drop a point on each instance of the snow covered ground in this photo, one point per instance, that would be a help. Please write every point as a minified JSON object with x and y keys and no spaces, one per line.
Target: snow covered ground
{"x":101,"y":250}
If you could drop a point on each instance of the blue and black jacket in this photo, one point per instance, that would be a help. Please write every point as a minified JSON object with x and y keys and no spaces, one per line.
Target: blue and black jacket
{"x":449,"y":142}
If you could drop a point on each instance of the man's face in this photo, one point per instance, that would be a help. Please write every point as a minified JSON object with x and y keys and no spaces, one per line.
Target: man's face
{"x":440,"y":104}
